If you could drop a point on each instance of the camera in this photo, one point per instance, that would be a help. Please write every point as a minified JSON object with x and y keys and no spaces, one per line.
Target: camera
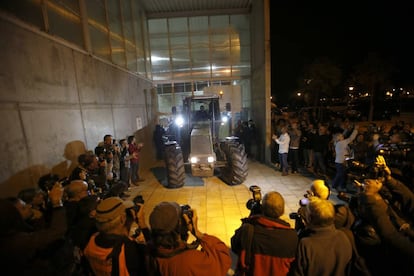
{"x":254,"y":204}
{"x":186,"y":209}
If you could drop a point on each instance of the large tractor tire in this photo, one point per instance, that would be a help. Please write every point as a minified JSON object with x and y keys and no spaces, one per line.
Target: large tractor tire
{"x":235,"y":172}
{"x":174,"y":164}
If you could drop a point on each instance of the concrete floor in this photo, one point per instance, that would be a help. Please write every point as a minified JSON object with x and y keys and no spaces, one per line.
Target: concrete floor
{"x":219,"y":206}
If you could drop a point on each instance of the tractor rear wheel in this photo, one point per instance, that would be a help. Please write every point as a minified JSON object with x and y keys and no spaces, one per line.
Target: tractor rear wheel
{"x":174,"y":164}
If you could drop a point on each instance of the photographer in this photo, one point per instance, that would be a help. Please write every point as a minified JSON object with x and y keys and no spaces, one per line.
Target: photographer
{"x":34,"y":253}
{"x":173,"y":255}
{"x":251,"y":242}
{"x":111,"y":251}
{"x":343,"y":215}
{"x":383,"y":233}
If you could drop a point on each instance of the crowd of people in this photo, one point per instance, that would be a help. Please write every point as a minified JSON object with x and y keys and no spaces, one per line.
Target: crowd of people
{"x":326,"y":148}
{"x":82,"y":225}
{"x":67,"y":229}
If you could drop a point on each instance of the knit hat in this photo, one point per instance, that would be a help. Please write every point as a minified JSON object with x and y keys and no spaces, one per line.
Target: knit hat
{"x":165,"y":216}
{"x":111,"y":208}
{"x":319,"y":189}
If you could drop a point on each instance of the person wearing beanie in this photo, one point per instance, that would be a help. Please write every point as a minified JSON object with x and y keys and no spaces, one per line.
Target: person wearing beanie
{"x":111,"y":251}
{"x":172,"y":255}
{"x":260,"y":256}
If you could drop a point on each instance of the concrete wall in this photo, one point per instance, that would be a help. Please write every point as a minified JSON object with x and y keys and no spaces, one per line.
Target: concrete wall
{"x":260,"y":77}
{"x":57,"y":101}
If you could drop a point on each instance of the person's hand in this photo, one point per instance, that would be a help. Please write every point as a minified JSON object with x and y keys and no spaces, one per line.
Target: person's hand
{"x":140,"y":145}
{"x":192,"y":224}
{"x":274,"y":137}
{"x":56,"y":194}
{"x":380,"y":162}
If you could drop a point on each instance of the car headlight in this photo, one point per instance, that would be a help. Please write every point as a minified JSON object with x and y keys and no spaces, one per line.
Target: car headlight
{"x":210,"y":159}
{"x":193,"y":160}
{"x":224,"y":119}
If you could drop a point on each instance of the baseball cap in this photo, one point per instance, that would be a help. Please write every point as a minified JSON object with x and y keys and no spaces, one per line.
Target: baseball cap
{"x":111,"y":208}
{"x":165,"y":216}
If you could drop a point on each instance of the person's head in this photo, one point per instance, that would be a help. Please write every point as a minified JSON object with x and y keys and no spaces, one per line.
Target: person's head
{"x":79,"y":173}
{"x":131,"y":139}
{"x":165,"y":221}
{"x":283,"y":129}
{"x":76,"y":190}
{"x":111,"y":216}
{"x":107,"y":139}
{"x":25,"y":210}
{"x":273,"y":205}
{"x":202,"y":108}
{"x":319,"y":189}
{"x":338,"y":137}
{"x":319,"y":212}
{"x":372,"y":186}
{"x":322,"y":130}
{"x":34,"y":196}
{"x":123,"y":143}
{"x":360,"y":138}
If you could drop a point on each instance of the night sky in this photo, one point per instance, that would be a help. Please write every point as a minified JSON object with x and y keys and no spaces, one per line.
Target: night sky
{"x":345,"y":32}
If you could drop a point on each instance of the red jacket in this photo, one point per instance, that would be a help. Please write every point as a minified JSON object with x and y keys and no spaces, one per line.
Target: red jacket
{"x":273,"y":247}
{"x":212,"y":260}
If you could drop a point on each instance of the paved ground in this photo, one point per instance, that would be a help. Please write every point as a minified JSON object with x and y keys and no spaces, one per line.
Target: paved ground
{"x":220,"y":206}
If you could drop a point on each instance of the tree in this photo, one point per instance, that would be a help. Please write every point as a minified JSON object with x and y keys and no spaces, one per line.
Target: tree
{"x":373,"y":74}
{"x":321,"y":77}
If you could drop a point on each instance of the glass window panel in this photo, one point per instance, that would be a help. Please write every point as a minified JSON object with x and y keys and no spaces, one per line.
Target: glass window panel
{"x":131,"y":58}
{"x":235,"y":39}
{"x":219,"y":22}
{"x":118,"y":51}
{"x":179,"y":41}
{"x":28,"y":11}
{"x":139,"y":39}
{"x":159,"y":43}
{"x":220,"y":40}
{"x":178,"y":25}
{"x":180,"y":55}
{"x":160,"y":57}
{"x":220,"y":54}
{"x":245,"y":54}
{"x":200,"y":40}
{"x":157,"y":26}
{"x":199,"y":24}
{"x":179,"y":87}
{"x":188,"y":87}
{"x":221,"y":69}
{"x":200,"y":54}
{"x":100,"y":42}
{"x":96,"y":12}
{"x":65,"y":22}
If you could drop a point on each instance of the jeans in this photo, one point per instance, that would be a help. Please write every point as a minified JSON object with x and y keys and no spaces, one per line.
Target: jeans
{"x":294,"y":158}
{"x":134,"y":172}
{"x":319,"y":162}
{"x":283,"y":159}
{"x":339,"y":179}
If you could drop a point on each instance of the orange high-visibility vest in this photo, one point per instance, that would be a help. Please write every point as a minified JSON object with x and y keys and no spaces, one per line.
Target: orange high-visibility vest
{"x":99,"y":261}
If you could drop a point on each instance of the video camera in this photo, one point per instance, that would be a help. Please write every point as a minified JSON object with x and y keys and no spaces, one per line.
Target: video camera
{"x":255,"y":203}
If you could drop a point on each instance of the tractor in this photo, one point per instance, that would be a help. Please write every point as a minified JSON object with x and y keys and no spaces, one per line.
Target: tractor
{"x":202,"y":141}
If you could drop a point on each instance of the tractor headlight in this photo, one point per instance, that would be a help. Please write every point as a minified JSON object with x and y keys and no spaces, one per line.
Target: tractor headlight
{"x":179,"y":121}
{"x":193,"y":160}
{"x":210,"y":159}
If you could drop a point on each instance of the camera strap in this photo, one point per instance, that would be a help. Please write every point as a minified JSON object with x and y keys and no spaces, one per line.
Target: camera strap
{"x":247,"y":238}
